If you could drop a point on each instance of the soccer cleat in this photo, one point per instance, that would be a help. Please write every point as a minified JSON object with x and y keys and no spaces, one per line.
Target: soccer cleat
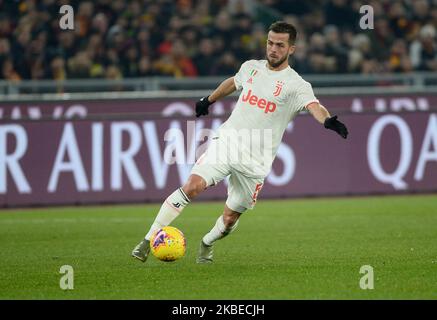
{"x":205,"y":253}
{"x":141,"y":251}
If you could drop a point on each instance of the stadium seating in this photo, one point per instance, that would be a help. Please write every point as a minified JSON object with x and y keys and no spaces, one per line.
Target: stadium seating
{"x":189,"y":38}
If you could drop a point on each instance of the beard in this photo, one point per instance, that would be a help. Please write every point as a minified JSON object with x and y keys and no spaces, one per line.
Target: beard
{"x":277,"y":63}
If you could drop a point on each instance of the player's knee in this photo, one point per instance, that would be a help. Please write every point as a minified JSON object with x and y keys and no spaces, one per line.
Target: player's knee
{"x":194,"y":186}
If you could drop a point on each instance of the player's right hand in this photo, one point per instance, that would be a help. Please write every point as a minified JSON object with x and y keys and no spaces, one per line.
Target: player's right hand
{"x":202,"y":106}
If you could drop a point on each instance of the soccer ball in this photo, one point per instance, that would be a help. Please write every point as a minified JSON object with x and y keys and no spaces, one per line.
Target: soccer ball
{"x":168,"y":244}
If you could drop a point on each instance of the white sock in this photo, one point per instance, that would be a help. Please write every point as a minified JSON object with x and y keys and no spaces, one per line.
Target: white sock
{"x":219,"y":231}
{"x":170,"y":209}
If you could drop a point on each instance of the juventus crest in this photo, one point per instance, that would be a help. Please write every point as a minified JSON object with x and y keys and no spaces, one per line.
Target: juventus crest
{"x":279,"y":85}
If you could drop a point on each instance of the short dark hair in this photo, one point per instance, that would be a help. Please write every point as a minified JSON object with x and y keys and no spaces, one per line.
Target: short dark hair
{"x":284,"y":27}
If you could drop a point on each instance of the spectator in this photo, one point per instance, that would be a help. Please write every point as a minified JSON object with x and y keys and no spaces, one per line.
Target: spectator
{"x":399,"y":60}
{"x":176,"y":63}
{"x":37,"y":71}
{"x":300,"y":61}
{"x":8,"y":71}
{"x":318,"y":61}
{"x":190,"y":38}
{"x":223,"y":27}
{"x":398,"y":20}
{"x":145,"y":67}
{"x":226,"y":65}
{"x":80,"y":65}
{"x":113,"y":73}
{"x":130,"y":62}
{"x":335,"y":49}
{"x":381,"y":38}
{"x":206,"y":57}
{"x":360,"y":52}
{"x":423,"y":52}
{"x":341,"y":14}
{"x":5,"y":47}
{"x":58,"y":71}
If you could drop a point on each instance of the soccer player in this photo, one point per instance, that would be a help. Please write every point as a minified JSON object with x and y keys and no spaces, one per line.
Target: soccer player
{"x":272,"y":94}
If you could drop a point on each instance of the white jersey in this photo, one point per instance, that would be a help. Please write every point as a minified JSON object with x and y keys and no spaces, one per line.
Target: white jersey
{"x":268,"y":102}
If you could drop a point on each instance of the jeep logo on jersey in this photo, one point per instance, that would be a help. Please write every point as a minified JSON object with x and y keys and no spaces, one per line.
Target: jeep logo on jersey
{"x":253,"y":100}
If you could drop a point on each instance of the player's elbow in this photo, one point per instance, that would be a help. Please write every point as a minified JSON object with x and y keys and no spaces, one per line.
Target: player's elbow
{"x":313,"y":107}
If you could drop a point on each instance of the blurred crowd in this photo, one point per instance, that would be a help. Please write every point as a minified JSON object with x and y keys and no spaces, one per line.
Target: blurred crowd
{"x":117,"y":39}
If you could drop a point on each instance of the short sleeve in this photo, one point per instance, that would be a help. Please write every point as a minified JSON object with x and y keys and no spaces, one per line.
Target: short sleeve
{"x":304,"y":96}
{"x":238,"y":78}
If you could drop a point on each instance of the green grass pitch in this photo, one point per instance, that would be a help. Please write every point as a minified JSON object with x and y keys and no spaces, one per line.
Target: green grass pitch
{"x":284,"y":249}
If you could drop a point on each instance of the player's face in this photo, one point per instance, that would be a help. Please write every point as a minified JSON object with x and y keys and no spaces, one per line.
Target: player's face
{"x":278,"y":48}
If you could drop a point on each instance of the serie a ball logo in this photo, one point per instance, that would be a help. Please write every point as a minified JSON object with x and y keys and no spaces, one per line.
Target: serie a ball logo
{"x":168,"y":244}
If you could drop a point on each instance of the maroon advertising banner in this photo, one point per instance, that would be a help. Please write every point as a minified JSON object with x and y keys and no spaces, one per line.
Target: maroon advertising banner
{"x":170,"y":107}
{"x":144,"y":159}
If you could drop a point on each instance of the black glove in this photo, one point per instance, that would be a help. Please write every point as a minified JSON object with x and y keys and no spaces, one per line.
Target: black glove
{"x":202,"y":106}
{"x":333,"y":124}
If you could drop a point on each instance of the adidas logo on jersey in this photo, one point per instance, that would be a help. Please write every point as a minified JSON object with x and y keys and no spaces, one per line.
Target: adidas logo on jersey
{"x":254,"y":100}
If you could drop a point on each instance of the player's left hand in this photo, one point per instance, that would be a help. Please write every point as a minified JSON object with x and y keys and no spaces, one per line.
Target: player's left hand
{"x":333,"y":124}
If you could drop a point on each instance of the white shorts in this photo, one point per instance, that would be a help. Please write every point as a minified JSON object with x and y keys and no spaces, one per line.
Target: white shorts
{"x":242,"y":190}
